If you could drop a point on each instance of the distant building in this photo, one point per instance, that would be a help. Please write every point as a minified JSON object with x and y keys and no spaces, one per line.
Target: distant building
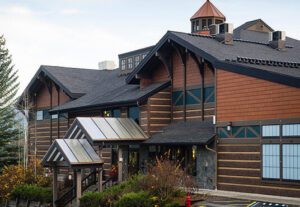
{"x":107,"y":65}
{"x":130,"y":60}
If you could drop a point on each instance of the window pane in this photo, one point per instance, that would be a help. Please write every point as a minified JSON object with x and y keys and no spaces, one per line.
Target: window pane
{"x":271,"y":161}
{"x":291,"y":161}
{"x":39,"y":115}
{"x":116,"y":113}
{"x":291,"y":130}
{"x":271,"y":131}
{"x":54,"y":116}
{"x":134,"y":113}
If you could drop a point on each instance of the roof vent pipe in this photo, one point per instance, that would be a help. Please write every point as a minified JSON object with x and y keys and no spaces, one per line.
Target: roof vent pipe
{"x":223,"y":33}
{"x":277,"y":40}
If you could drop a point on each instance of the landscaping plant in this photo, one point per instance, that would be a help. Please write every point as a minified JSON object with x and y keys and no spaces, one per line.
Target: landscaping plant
{"x":9,"y":132}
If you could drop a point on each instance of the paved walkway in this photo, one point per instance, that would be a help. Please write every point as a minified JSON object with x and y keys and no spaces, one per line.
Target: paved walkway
{"x":245,"y":199}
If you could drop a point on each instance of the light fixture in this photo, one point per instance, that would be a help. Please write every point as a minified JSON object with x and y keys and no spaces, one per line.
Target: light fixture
{"x":70,"y":177}
{"x":229,"y":126}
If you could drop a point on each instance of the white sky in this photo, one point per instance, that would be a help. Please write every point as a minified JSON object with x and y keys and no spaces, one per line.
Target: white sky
{"x":80,"y":33}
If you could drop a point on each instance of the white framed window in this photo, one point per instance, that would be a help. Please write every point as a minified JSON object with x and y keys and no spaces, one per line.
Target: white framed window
{"x":54,"y":116}
{"x":123,"y":64}
{"x":291,"y":161}
{"x":271,"y":161}
{"x":271,"y":131}
{"x":143,"y":56}
{"x":290,"y":130}
{"x":136,"y":60}
{"x":40,"y":115}
{"x":130,"y":65}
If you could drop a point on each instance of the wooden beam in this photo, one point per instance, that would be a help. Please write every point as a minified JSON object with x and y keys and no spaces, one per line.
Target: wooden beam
{"x":201,"y":67}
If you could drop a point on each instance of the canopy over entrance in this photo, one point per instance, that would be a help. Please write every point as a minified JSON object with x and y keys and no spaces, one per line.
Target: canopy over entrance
{"x":101,"y":130}
{"x":71,"y":153}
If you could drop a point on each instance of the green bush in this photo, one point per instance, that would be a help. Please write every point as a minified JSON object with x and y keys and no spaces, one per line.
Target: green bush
{"x":33,"y":192}
{"x":140,"y":199}
{"x":174,"y":204}
{"x":110,"y":195}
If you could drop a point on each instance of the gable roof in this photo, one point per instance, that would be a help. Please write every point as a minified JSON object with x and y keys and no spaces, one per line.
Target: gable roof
{"x":112,"y":95}
{"x":185,"y":133}
{"x":208,"y":9}
{"x":72,"y":152}
{"x":226,"y":57}
{"x":64,"y":77}
{"x":248,"y":24}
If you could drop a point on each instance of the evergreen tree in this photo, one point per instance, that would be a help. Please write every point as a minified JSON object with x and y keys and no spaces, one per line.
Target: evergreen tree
{"x":9,"y":132}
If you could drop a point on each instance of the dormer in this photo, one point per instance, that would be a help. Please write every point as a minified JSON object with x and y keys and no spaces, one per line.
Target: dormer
{"x":207,"y":15}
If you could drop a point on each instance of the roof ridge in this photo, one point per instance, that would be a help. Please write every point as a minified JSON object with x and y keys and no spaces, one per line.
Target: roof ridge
{"x":54,"y":67}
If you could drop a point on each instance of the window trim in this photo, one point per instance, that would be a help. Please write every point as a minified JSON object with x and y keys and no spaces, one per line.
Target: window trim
{"x":279,"y":180}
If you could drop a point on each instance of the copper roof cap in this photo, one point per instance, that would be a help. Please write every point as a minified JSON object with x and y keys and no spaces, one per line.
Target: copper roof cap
{"x":208,"y":10}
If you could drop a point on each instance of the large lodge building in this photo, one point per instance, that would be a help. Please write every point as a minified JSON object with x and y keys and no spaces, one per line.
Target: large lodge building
{"x":224,"y":101}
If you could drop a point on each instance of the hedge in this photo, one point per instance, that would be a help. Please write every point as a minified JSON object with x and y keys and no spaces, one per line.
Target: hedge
{"x":33,"y":193}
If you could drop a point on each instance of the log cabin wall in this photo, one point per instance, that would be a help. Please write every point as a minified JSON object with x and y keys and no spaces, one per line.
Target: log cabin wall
{"x":167,"y":105}
{"x":43,"y":132}
{"x":193,"y":108}
{"x":247,"y":104}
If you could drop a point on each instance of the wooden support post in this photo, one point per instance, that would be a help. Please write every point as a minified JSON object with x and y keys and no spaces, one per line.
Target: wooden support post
{"x":120,"y":164}
{"x":55,"y":186}
{"x":78,"y":187}
{"x":100,"y":175}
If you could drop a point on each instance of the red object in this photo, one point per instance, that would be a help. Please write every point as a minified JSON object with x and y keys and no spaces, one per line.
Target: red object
{"x":188,"y":200}
{"x":208,"y":10}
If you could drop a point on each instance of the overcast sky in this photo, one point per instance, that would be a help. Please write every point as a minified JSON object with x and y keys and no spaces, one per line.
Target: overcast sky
{"x":80,"y":33}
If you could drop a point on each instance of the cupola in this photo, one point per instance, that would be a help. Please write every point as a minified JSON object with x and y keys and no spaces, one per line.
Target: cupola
{"x":207,"y":15}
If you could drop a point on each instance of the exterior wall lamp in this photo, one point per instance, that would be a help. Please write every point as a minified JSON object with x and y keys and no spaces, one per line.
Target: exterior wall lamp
{"x":229,"y":126}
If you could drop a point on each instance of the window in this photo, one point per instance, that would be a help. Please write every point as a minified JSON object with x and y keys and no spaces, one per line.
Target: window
{"x":130,"y":65}
{"x":40,"y":115}
{"x":197,"y":25}
{"x":123,"y":64}
{"x":271,"y":131}
{"x":134,"y":113}
{"x":271,"y":161}
{"x":290,"y":156}
{"x":209,"y":22}
{"x":54,"y":116}
{"x":136,"y":61}
{"x":116,"y":113}
{"x":291,"y":161}
{"x":143,"y":56}
{"x":290,"y":130}
{"x":204,"y":24}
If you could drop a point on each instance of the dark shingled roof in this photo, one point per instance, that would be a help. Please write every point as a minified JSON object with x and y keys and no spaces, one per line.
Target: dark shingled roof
{"x":185,"y":133}
{"x":219,"y":54}
{"x":64,"y":77}
{"x":111,"y":91}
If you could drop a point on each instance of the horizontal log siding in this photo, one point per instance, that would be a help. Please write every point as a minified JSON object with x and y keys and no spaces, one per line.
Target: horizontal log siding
{"x":243,"y":98}
{"x":239,"y":169}
{"x":39,"y":133}
{"x":156,"y":114}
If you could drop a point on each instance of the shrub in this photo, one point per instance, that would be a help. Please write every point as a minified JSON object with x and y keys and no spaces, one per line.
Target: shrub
{"x":165,"y":178}
{"x":140,"y":199}
{"x":174,"y":204}
{"x":33,"y":193}
{"x":91,"y":199}
{"x":15,"y":175}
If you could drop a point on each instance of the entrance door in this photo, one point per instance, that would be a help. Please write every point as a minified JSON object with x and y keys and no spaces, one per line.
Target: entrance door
{"x":133,"y":160}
